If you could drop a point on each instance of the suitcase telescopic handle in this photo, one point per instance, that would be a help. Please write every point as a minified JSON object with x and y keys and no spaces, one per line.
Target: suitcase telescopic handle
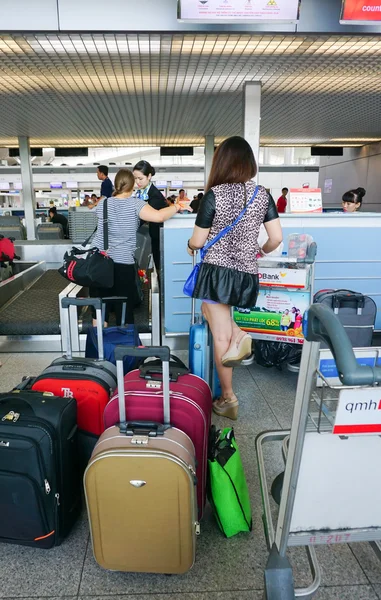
{"x":162,"y":352}
{"x":323,"y":324}
{"x":347,"y":297}
{"x":193,"y":300}
{"x":97,"y":304}
{"x":176,"y":368}
{"x":115,"y":300}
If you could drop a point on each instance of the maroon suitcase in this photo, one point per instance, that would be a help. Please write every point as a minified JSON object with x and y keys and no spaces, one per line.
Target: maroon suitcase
{"x":191,"y":407}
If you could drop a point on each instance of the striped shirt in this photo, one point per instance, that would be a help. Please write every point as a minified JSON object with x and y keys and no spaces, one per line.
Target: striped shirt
{"x":123,"y":222}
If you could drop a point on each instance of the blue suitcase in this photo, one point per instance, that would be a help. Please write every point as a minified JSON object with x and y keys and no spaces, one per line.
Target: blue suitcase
{"x":127,"y":335}
{"x":201,"y":361}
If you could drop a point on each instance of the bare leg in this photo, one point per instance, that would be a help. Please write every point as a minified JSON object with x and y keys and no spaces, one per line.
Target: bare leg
{"x":240,"y":342}
{"x":220,"y":323}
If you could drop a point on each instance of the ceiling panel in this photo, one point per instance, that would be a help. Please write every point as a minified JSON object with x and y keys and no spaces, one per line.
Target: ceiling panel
{"x":137,"y":89}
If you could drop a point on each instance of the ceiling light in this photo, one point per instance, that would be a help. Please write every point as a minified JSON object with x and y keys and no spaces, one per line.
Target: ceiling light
{"x":364,"y":140}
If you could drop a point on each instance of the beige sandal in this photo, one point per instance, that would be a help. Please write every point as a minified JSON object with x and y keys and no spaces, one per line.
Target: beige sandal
{"x":238,"y":351}
{"x":226,"y":407}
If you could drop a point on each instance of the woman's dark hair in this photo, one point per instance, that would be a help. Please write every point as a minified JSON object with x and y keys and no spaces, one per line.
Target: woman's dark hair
{"x":233,"y":162}
{"x":354,"y":196}
{"x":200,"y":196}
{"x":124,"y":182}
{"x":144,"y":167}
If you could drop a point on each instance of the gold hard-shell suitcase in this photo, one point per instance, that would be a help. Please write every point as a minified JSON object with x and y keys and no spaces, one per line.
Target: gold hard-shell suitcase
{"x":140,"y":489}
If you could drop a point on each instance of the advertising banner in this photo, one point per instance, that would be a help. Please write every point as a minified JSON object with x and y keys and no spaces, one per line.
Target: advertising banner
{"x":228,"y":11}
{"x":288,"y":278}
{"x":360,"y":12}
{"x":277,"y":316}
{"x":306,"y":200}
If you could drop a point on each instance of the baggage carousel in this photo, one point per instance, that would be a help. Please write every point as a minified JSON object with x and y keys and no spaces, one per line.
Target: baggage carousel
{"x":31,"y":314}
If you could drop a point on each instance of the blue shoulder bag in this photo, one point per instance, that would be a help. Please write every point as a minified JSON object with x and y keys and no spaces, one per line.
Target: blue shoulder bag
{"x":190,"y":284}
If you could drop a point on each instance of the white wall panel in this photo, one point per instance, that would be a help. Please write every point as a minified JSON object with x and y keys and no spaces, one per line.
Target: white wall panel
{"x":357,"y":168}
{"x":26,"y":15}
{"x":277,"y":180}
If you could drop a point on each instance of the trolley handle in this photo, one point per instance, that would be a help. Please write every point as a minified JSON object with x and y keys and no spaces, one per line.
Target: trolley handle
{"x":323,"y":325}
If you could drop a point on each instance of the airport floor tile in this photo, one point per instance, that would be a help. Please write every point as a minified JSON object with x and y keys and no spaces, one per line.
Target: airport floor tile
{"x":232,"y":595}
{"x":34,"y":573}
{"x":368,"y":561}
{"x":29,"y":364}
{"x":353,"y":592}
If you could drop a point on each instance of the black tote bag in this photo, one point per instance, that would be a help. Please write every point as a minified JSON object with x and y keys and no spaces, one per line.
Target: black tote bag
{"x":90,"y":268}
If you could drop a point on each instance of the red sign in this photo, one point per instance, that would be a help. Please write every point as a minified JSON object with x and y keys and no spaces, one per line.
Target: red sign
{"x":361,"y":11}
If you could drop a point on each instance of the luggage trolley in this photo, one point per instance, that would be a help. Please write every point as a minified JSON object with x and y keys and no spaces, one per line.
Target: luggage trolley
{"x":285,"y":284}
{"x":330,"y":492}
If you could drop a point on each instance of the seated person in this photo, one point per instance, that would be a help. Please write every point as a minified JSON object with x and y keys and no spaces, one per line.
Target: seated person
{"x":55,"y":217}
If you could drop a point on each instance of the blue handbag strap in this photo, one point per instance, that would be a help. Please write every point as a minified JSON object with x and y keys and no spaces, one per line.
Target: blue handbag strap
{"x":229,"y":227}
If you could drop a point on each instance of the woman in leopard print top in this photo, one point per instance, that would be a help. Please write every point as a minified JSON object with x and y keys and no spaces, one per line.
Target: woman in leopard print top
{"x":228,"y":275}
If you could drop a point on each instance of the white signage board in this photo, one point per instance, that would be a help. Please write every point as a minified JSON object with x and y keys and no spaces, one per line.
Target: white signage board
{"x":228,"y":11}
{"x":328,"y":186}
{"x":358,"y":412}
{"x":161,"y":183}
{"x":304,"y":200}
{"x":71,"y":185}
{"x":287,"y":278}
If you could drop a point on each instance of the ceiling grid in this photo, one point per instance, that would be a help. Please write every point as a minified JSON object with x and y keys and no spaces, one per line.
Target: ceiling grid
{"x":157,"y":89}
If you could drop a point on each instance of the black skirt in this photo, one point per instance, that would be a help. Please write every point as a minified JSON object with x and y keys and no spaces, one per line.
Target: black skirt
{"x":226,"y":286}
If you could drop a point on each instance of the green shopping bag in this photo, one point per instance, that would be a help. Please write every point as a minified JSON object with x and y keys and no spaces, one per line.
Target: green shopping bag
{"x":227,"y":488}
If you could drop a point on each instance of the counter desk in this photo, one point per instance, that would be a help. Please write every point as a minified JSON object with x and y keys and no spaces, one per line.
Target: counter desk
{"x":349,"y":257}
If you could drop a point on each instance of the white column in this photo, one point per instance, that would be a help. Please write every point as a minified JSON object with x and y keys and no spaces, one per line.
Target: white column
{"x":27,"y":186}
{"x":252,"y":115}
{"x":209,"y":151}
{"x":288,"y":156}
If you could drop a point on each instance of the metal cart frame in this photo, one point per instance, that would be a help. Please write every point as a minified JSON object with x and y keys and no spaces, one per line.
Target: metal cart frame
{"x":322,"y":325}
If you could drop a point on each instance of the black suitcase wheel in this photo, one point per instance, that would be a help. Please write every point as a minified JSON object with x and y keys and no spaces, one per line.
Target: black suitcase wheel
{"x":277,"y":487}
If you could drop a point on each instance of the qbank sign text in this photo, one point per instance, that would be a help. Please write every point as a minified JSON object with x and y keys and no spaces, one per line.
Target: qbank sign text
{"x":361,"y":10}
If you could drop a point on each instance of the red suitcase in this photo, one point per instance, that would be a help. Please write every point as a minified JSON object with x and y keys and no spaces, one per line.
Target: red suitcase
{"x":191,"y":408}
{"x":90,"y":381}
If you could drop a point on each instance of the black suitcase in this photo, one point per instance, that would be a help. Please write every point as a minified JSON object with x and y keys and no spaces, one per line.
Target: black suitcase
{"x":40,"y":483}
{"x":356,"y":312}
